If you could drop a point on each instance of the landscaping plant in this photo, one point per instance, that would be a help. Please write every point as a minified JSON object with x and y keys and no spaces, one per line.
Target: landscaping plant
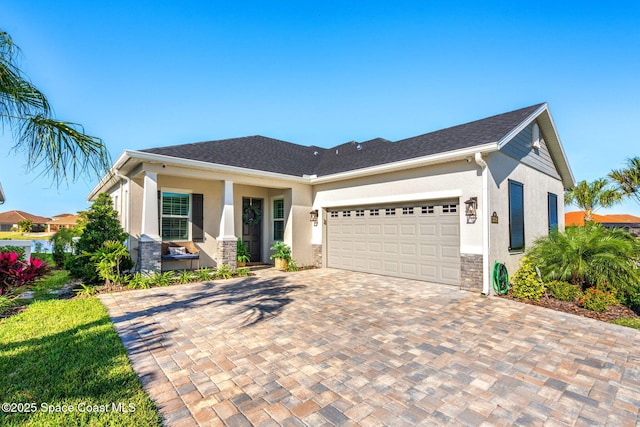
{"x":564,"y":291}
{"x":110,"y":260}
{"x":526,"y":283}
{"x":102,"y":225}
{"x":224,"y":272}
{"x":15,"y":272}
{"x":589,"y":256}
{"x":598,"y":300}
{"x":62,"y":241}
{"x":161,"y":279}
{"x":242,"y":253}
{"x":139,"y":281}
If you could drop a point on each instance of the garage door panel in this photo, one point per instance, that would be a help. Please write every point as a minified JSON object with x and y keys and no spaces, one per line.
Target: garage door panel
{"x":420,"y":242}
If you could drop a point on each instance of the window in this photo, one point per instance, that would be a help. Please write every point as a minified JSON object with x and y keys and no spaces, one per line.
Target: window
{"x":175,"y":216}
{"x":516,"y":216}
{"x":374,"y":212}
{"x":334,"y":214}
{"x":390,"y":211}
{"x":346,"y":213}
{"x":427,"y":209}
{"x":278,"y":219}
{"x":552,"y":203}
{"x":407,"y":211}
{"x":360,"y":212}
{"x":449,"y":208}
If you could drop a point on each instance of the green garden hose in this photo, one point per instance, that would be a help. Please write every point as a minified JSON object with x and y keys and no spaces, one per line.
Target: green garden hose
{"x":500,"y":278}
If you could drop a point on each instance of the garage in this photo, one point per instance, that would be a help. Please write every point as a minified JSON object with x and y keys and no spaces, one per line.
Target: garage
{"x":419,"y":240}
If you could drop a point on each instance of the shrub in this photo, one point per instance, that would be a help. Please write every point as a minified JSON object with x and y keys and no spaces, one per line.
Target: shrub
{"x":139,"y":281}
{"x":204,"y":274}
{"x":598,"y":300}
{"x":242,"y":253}
{"x":242,"y":272}
{"x":292,"y":266}
{"x":15,"y":272}
{"x":564,"y":291}
{"x":110,"y":261}
{"x":589,"y":256}
{"x":526,"y":284}
{"x":62,"y":242}
{"x":25,"y":225}
{"x":184,"y":277}
{"x":161,"y":279}
{"x":102,"y":225}
{"x":17,"y":249}
{"x":224,"y":272}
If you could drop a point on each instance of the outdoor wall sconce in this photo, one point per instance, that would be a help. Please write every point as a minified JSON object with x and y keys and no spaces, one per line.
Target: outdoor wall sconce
{"x":470,"y":209}
{"x":314,"y":217}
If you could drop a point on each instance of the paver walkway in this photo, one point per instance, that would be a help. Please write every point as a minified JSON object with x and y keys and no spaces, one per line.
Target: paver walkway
{"x":329,"y":347}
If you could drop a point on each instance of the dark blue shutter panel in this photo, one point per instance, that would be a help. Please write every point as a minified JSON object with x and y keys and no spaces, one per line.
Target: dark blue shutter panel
{"x":197,"y":218}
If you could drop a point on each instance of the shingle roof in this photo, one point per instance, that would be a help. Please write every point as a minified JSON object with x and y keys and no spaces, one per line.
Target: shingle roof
{"x":272,"y":155}
{"x":577,"y":218}
{"x":12,"y":217}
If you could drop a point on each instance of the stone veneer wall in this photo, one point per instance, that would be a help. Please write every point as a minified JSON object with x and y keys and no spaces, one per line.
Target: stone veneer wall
{"x":226,"y":253}
{"x":471,"y":272}
{"x":149,"y":259}
{"x":317,"y":255}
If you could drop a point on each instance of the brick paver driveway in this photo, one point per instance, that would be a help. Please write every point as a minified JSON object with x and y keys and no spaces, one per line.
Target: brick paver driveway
{"x":328,"y":347}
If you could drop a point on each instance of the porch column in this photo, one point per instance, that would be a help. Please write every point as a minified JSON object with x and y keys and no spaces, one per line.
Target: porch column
{"x":226,"y":251}
{"x":150,"y":243}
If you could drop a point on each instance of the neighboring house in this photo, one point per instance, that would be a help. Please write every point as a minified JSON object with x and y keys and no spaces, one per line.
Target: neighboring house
{"x":393,"y":208}
{"x":62,"y":221}
{"x":10,"y":219}
{"x":628,"y":222}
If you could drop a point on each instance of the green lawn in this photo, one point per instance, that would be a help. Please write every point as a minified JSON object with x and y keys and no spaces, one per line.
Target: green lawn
{"x":67,"y":352}
{"x":14,"y":235}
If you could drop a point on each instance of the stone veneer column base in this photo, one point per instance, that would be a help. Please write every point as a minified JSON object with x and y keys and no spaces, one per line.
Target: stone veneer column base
{"x":317,"y":255}
{"x":149,"y":259}
{"x":226,"y":253}
{"x":471,"y":272}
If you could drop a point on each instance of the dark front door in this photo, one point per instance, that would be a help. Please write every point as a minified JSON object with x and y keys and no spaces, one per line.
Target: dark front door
{"x":252,"y":215}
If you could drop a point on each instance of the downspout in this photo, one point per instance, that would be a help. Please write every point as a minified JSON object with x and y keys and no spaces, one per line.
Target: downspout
{"x":486,"y":288}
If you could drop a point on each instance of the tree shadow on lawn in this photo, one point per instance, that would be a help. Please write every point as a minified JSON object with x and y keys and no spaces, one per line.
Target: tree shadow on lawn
{"x":82,"y":364}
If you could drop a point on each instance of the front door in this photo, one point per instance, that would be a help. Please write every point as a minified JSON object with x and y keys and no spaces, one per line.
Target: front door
{"x":252,"y":215}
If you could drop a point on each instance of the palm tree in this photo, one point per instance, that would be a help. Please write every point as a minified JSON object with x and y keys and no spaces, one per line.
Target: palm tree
{"x":62,"y":149}
{"x":628,"y":179}
{"x":591,"y":196}
{"x":589,"y":256}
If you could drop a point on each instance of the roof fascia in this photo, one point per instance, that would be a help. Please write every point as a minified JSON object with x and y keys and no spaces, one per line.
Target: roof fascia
{"x":2,"y":198}
{"x":406,"y":164}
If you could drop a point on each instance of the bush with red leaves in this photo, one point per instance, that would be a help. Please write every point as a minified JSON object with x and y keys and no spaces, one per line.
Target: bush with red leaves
{"x":15,"y":272}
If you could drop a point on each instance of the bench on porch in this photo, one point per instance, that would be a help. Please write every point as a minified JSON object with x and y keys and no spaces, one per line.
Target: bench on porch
{"x":179,"y":251}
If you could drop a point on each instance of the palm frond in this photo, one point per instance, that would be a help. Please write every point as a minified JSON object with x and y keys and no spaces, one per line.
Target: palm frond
{"x":61,"y":149}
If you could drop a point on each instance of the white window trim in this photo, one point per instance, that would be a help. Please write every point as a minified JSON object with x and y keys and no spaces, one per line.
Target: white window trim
{"x":189,"y":217}
{"x":273,"y":219}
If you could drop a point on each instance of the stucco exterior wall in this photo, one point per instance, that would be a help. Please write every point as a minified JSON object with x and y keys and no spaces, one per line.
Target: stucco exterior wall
{"x":536,"y":186}
{"x":456,"y":180}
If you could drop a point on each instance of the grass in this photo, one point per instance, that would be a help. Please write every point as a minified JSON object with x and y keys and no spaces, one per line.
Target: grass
{"x":14,"y":235}
{"x":628,"y":322}
{"x":53,"y":281}
{"x":67,"y":352}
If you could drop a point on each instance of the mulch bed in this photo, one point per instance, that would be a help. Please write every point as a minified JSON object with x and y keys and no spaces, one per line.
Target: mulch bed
{"x":612,"y":313}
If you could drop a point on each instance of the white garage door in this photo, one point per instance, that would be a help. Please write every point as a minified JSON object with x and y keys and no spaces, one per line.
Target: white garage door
{"x":416,"y":241}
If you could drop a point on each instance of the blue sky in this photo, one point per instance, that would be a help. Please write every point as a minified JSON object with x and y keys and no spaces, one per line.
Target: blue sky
{"x":148,"y":74}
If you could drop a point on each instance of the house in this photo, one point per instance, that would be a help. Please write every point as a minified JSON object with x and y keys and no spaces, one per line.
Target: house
{"x":10,"y":219}
{"x":439,"y":207}
{"x":62,"y":221}
{"x":628,"y":222}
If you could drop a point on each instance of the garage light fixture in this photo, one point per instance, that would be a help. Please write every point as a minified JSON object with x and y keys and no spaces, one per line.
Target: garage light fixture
{"x":470,"y":208}
{"x":314,"y":217}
